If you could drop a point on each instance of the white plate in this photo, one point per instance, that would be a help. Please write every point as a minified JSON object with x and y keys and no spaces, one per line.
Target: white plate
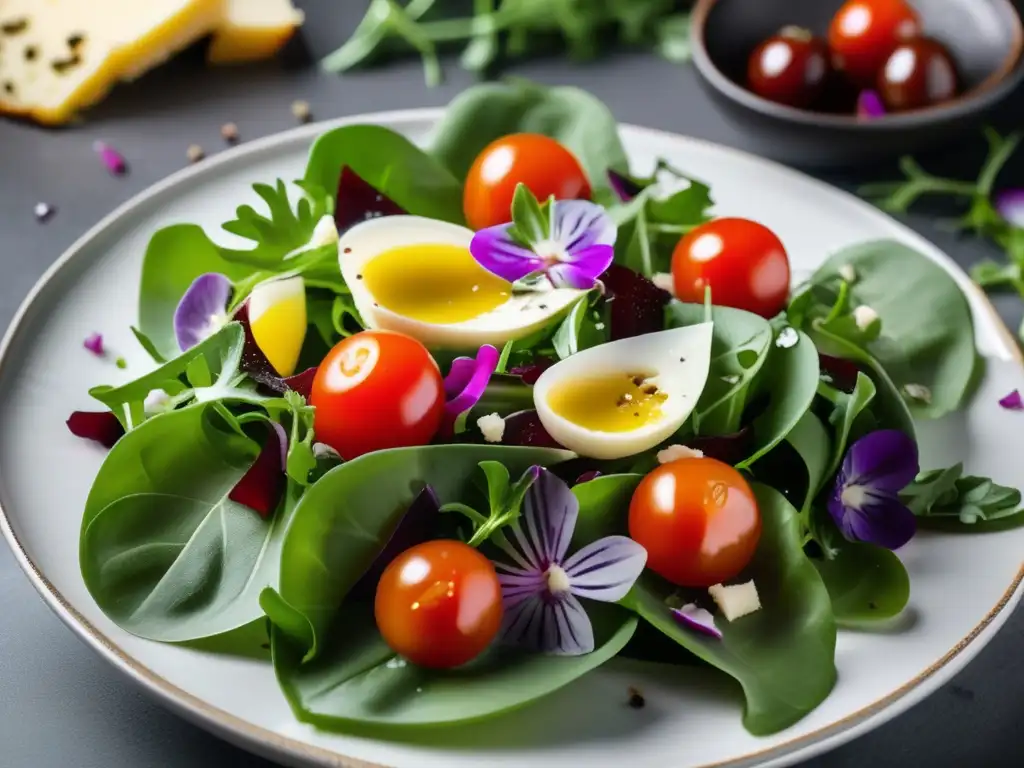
{"x":963,"y":588}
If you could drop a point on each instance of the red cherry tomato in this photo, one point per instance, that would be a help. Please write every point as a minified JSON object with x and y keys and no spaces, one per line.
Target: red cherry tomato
{"x":698,"y":521}
{"x":439,"y":604}
{"x":864,"y":32}
{"x":376,"y":390}
{"x":537,"y":161}
{"x":789,"y":68}
{"x":918,"y":73}
{"x":742,"y":261}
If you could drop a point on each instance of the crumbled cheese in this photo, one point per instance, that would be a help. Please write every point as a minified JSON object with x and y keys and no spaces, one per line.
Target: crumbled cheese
{"x":157,"y":401}
{"x":848,"y":273}
{"x":918,"y":392}
{"x":492,"y":426}
{"x":664,"y":281}
{"x":864,"y":316}
{"x":673,"y":452}
{"x":735,"y":600}
{"x":324,"y":233}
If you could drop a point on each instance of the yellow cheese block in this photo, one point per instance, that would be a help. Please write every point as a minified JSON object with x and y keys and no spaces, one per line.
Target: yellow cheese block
{"x":253,"y":30}
{"x":59,"y":56}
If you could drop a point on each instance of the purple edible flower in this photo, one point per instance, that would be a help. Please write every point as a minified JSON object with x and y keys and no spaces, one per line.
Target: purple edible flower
{"x":94,"y":343}
{"x":698,"y":619}
{"x":865,"y":503}
{"x":540,"y":593}
{"x":203,"y":310}
{"x":465,"y":384}
{"x":869,"y":105}
{"x":1010,"y":205}
{"x":1013,"y":401}
{"x":577,"y":248}
{"x":111,"y":158}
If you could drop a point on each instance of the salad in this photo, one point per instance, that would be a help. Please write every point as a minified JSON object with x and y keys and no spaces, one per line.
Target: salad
{"x":465,"y":423}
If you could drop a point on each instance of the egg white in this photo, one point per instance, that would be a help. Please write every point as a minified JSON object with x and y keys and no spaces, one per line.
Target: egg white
{"x":518,"y":317}
{"x":678,"y":358}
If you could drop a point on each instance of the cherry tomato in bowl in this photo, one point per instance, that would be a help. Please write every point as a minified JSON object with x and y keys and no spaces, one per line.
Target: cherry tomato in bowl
{"x":541,"y":163}
{"x":698,"y":520}
{"x":438,"y":604}
{"x":789,"y":68}
{"x":743,"y":263}
{"x":377,"y":390}
{"x":863,"y":34}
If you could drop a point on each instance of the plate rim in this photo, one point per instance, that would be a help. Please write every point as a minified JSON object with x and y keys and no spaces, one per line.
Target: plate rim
{"x":247,"y":735}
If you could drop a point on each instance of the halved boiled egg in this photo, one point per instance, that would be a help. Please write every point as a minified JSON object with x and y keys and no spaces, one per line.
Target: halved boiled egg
{"x":277,"y":317}
{"x":622,"y":398}
{"x":416,"y":275}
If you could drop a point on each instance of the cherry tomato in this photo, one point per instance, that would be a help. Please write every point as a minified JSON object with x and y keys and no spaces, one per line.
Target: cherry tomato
{"x":742,"y":261}
{"x":918,"y":73}
{"x":537,"y":161}
{"x":864,"y":32}
{"x":439,"y":604}
{"x":789,"y":68}
{"x":376,"y":390}
{"x":698,"y":521}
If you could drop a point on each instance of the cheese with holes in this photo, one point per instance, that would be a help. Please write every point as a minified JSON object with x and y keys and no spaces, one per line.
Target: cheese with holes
{"x":58,"y":57}
{"x":253,"y":30}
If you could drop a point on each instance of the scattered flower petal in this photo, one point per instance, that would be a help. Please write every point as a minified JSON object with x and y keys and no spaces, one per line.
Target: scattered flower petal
{"x":1010,"y":205}
{"x":736,"y":600}
{"x":359,"y":201}
{"x":1013,"y":401}
{"x":101,"y":426}
{"x":261,"y":487}
{"x":203,"y":310}
{"x":111,"y":158}
{"x":637,"y":306}
{"x":462,"y":391}
{"x":94,"y":343}
{"x":865,"y":503}
{"x":540,"y":593}
{"x":674,"y":452}
{"x":417,"y":525}
{"x":698,"y":619}
{"x":869,"y":105}
{"x":492,"y":427}
{"x":579,"y":249}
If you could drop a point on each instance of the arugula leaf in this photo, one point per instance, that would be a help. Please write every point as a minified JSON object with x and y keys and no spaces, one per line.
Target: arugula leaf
{"x":972,"y":503}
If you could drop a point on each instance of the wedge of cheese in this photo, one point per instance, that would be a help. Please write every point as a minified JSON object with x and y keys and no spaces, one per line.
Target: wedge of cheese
{"x":58,"y":57}
{"x":253,"y":30}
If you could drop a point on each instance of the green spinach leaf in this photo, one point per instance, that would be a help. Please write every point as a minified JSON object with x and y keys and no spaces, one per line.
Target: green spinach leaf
{"x":348,"y":515}
{"x":587,"y":325}
{"x":392,"y":164}
{"x":865,"y":583}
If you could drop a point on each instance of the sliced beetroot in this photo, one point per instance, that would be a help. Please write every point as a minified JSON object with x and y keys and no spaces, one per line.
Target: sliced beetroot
{"x":359,"y":201}
{"x":843,"y":373}
{"x":637,"y":305}
{"x":101,"y":426}
{"x":261,"y":486}
{"x":592,"y":474}
{"x":525,"y":428}
{"x":259,"y":369}
{"x":418,"y":524}
{"x":731,"y":449}
{"x":530,"y":373}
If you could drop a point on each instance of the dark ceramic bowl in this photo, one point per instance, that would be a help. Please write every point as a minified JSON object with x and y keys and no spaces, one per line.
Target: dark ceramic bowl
{"x":985,"y":38}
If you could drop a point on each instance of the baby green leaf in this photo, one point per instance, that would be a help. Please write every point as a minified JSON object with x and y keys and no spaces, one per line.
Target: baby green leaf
{"x":951,"y":499}
{"x":865,"y":583}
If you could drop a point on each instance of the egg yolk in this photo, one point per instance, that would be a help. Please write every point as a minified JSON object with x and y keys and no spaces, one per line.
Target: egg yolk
{"x":433,"y":283}
{"x":617,"y":402}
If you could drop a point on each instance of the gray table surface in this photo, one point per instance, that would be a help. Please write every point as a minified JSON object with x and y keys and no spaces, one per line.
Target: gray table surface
{"x":61,"y":705}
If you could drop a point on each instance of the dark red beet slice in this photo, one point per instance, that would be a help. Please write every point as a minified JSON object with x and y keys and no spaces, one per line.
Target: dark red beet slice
{"x":358,"y":201}
{"x":530,"y":373}
{"x":416,"y":526}
{"x":524,"y":428}
{"x":101,"y":426}
{"x":625,"y":187}
{"x":261,"y":487}
{"x":731,"y":449}
{"x":842,"y":372}
{"x":637,"y":305}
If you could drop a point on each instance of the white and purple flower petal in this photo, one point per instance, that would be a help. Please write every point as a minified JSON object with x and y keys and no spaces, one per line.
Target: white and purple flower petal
{"x":496,"y":251}
{"x":551,"y":511}
{"x":698,"y":619}
{"x":606,"y":569}
{"x":577,"y":225}
{"x":557,"y":625}
{"x":878,"y":518}
{"x":466,"y":383}
{"x":202,"y":311}
{"x":1013,"y":401}
{"x":1010,"y":205}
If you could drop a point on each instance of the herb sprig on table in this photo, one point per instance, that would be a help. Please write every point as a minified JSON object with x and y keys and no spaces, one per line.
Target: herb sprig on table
{"x":990,"y":214}
{"x":498,"y":29}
